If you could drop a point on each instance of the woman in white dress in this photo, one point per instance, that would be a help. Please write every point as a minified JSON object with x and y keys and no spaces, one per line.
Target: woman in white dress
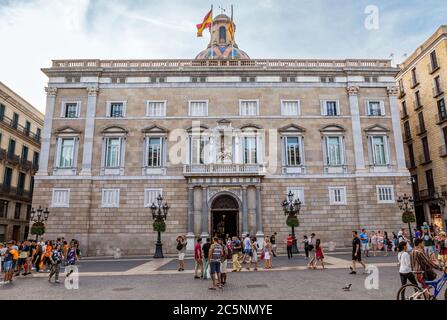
{"x":374,"y":241}
{"x":267,"y":250}
{"x":254,"y":251}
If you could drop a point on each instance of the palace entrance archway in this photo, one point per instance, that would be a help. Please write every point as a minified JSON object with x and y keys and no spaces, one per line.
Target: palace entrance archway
{"x":224,"y":216}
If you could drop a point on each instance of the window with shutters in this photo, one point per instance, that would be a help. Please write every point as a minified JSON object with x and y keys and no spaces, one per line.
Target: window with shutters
{"x":290,"y":107}
{"x":385,"y":194}
{"x":330,"y":108}
{"x":60,"y":198}
{"x":198,"y":108}
{"x":116,"y":109}
{"x":110,"y":198}
{"x":375,"y":108}
{"x":337,"y":195}
{"x":249,"y":107}
{"x":70,"y":109}
{"x":156,"y":109}
{"x":150,"y":196}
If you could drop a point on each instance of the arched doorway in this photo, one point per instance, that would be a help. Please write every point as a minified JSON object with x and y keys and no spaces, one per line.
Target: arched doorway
{"x":224,"y":216}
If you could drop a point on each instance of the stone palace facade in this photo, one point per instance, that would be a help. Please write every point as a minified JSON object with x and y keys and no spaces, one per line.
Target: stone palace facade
{"x":222,"y":138}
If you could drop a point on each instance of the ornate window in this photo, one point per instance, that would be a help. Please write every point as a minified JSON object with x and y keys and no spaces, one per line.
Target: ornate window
{"x":116,"y":109}
{"x":113,"y":150}
{"x":67,"y":144}
{"x":222,"y":35}
{"x":71,"y":109}
{"x":375,"y":108}
{"x":330,"y":108}
{"x":334,"y":148}
{"x":154,"y":150}
{"x":379,"y":152}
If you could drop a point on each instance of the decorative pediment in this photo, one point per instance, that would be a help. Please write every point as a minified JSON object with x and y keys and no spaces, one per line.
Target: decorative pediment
{"x":333,"y":128}
{"x":377,"y":128}
{"x":224,"y":122}
{"x":291,"y":128}
{"x":154,"y":129}
{"x":200,"y":128}
{"x":67,"y":130}
{"x":251,"y":126}
{"x":114,"y":129}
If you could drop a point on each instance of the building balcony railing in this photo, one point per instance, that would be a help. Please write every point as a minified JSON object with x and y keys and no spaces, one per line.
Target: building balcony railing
{"x":19,"y":128}
{"x":224,"y":169}
{"x":443,"y":151}
{"x":13,"y":192}
{"x":426,"y":194}
{"x":16,"y":160}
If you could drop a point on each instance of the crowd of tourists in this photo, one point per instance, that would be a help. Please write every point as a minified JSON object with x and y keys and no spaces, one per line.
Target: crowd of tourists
{"x":23,"y":258}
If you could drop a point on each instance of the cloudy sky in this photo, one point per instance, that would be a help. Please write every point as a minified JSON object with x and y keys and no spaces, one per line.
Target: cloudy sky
{"x":35,"y":31}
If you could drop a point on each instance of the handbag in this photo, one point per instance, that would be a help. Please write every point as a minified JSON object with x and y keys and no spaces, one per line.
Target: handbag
{"x":262,"y":255}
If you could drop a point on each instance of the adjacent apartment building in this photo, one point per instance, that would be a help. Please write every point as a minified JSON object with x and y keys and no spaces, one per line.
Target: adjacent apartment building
{"x":422,"y":82}
{"x":223,"y":138}
{"x":20,"y":130}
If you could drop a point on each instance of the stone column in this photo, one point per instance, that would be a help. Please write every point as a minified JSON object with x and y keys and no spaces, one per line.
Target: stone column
{"x":89,"y":131}
{"x":205,"y":233}
{"x":190,"y":236}
{"x":259,"y":226}
{"x":46,"y":133}
{"x":244,"y":211}
{"x":356,"y":127}
{"x":397,"y":131}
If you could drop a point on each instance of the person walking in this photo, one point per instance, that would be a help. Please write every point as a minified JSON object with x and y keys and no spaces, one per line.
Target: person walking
{"x":198,"y":258}
{"x":289,"y":244}
{"x":305,"y":242}
{"x":356,"y":253}
{"x":223,"y":263}
{"x":267,"y":253}
{"x":429,"y":242}
{"x":387,"y":243}
{"x":374,"y":242}
{"x":247,"y":250}
{"x":206,"y":248}
{"x":364,"y":238}
{"x":319,"y":254}
{"x":273,"y":242}
{"x":214,"y":256}
{"x":236,"y":243}
{"x":181,"y":249}
{"x":37,"y":257}
{"x":311,"y":247}
{"x":56,"y":258}
{"x":405,"y":269}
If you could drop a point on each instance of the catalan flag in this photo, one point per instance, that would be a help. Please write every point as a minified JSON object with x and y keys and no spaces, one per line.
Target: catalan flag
{"x":207,"y":22}
{"x":231,"y":27}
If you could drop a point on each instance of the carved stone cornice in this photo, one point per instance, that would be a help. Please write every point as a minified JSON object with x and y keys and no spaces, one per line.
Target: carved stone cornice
{"x":92,"y":91}
{"x":353,"y":91}
{"x":393,"y":91}
{"x":51,"y":91}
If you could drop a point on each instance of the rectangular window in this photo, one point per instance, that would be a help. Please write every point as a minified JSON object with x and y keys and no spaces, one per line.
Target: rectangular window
{"x":298,"y":193}
{"x":401,"y":86}
{"x":407,"y":130}
{"x":334,"y":156}
{"x":113,"y":152}
{"x":116,"y":109}
{"x":70,"y":110}
{"x":198,"y":108}
{"x":15,"y":120}
{"x":433,"y":60}
{"x":11,"y":147}
{"x":110,"y":198}
{"x":25,"y":151}
{"x":154,"y":152}
{"x":430,"y":182}
{"x":150,"y":196}
{"x":197,"y":147}
{"x":404,"y":109}
{"x":156,"y":109}
{"x":60,"y":198}
{"x":414,"y":77}
{"x":442,"y":111}
{"x":17,"y":211}
{"x":38,"y":131}
{"x":330,"y":108}
{"x":290,"y":108}
{"x":444,"y":130}
{"x":437,"y":86}
{"x":21,"y":183}
{"x":4,"y":209}
{"x":417,"y":101}
{"x":2,"y":112}
{"x":375,"y":108}
{"x":7,"y":178}
{"x":293,"y":151}
{"x":27,"y":128}
{"x":66,"y":153}
{"x":379,"y":150}
{"x":421,"y":122}
{"x":411,"y":156}
{"x":385,"y":194}
{"x":250,"y":150}
{"x":28,"y":213}
{"x":337,"y":195}
{"x":2,"y":233}
{"x":36,"y":159}
{"x":249,"y":108}
{"x":425,"y":149}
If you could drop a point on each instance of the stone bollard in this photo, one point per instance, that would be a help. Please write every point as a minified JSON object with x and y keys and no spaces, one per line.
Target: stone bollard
{"x":331,"y":246}
{"x":117,"y":254}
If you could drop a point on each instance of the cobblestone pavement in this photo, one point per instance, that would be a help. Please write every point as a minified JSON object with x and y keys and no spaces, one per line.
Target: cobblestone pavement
{"x":147,"y":278}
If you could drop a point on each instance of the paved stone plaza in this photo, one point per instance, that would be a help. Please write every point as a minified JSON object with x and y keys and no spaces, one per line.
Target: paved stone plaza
{"x":146,"y":278}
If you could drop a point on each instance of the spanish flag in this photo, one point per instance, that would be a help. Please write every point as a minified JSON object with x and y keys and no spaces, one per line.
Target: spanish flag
{"x":207,"y":21}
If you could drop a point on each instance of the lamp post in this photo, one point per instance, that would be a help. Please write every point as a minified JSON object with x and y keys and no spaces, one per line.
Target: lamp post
{"x":406,"y":206}
{"x":159,"y":214}
{"x":39,"y":217}
{"x":292,"y":209}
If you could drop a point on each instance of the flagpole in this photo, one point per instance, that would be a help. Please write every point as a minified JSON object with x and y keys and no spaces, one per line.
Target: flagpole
{"x":232,"y":36}
{"x":211,"y":35}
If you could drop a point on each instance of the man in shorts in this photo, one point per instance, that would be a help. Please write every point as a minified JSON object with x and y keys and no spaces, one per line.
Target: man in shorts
{"x":8,"y":264}
{"x":365,"y":242}
{"x":356,"y":253}
{"x":214,"y":257}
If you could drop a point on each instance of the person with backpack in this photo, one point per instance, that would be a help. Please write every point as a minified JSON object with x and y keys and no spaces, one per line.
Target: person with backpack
{"x":55,"y":260}
{"x":215,"y":256}
{"x":181,"y":249}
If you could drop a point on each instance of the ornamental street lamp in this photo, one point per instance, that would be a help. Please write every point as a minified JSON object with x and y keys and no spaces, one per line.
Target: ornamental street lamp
{"x":159,"y":214}
{"x":39,"y":217}
{"x":405,"y":204}
{"x":291,"y":210}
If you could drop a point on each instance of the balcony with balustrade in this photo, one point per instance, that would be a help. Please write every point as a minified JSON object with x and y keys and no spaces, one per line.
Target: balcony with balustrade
{"x":218,"y":169}
{"x":15,"y":128}
{"x":15,"y":193}
{"x":17,"y":161}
